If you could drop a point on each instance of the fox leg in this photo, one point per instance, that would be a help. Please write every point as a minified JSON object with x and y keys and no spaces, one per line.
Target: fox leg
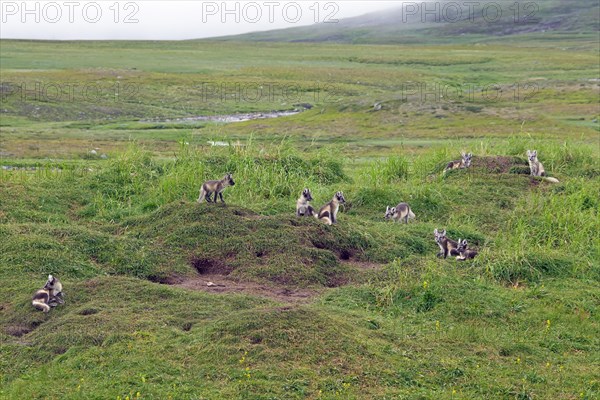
{"x":59,"y":298}
{"x":326,"y":218}
{"x":441,"y":252}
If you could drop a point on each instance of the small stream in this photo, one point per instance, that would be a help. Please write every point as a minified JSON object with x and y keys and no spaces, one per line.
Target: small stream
{"x":229,"y":118}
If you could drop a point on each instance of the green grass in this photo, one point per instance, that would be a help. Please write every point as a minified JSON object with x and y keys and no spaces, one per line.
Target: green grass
{"x":550,"y":98}
{"x":386,"y":318}
{"x":405,"y":329}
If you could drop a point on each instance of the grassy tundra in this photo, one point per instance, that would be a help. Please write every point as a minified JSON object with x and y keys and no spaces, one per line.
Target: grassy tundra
{"x":362,"y":309}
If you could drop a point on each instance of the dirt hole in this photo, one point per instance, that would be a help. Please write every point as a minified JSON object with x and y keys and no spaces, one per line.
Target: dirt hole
{"x":187,"y":326}
{"x":318,"y":244}
{"x":209,"y":266}
{"x":256,"y":339}
{"x":88,"y":311}
{"x":17,"y":330}
{"x":165,"y":280}
{"x":346,"y":254}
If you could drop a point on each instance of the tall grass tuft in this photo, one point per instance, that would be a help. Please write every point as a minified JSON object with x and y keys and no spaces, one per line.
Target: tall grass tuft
{"x":551,"y":233}
{"x":265,"y":175}
{"x":390,"y":170}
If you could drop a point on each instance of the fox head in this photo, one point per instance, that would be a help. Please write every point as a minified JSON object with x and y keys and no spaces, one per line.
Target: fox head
{"x":307,"y":195}
{"x":339,"y":196}
{"x":439,"y":236}
{"x":51,"y":283}
{"x":462,"y":245}
{"x":228,"y":180}
{"x":390,"y":212}
{"x":466,"y":158}
{"x":532,"y":155}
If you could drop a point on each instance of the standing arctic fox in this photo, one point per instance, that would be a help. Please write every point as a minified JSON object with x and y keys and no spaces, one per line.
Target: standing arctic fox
{"x":328,"y":213}
{"x":303,"y":208}
{"x":48,"y":296}
{"x":401,"y":212}
{"x":216,"y":187}
{"x":447,"y":246}
{"x":536,"y":167}
{"x":464,"y":162}
{"x":463,"y":251}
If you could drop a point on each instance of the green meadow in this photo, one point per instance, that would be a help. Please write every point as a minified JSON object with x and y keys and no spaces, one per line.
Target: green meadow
{"x":360,"y":310}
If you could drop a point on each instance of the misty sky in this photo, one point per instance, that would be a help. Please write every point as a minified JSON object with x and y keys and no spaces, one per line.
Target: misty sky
{"x":156,"y":20}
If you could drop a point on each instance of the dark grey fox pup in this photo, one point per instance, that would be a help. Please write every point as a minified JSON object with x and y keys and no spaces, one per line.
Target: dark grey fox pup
{"x":50,"y":295}
{"x":401,"y":212}
{"x":328,"y":213}
{"x":463,"y":252}
{"x":464,"y":162}
{"x":216,"y":188}
{"x":303,"y":208}
{"x":447,"y":246}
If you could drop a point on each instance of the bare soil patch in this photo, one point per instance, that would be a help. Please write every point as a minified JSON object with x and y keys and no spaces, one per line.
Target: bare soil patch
{"x":497,"y":164}
{"x":17,"y":330}
{"x":217,"y":283}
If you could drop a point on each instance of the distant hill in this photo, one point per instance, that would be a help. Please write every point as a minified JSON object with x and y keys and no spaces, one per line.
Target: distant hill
{"x":408,"y":24}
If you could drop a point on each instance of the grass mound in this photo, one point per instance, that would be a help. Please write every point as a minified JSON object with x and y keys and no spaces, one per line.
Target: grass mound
{"x":228,"y":240}
{"x":500,"y":164}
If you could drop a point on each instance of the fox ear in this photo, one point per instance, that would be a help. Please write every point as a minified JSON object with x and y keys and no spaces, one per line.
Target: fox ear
{"x":444,"y":232}
{"x":465,"y":242}
{"x":387,"y":208}
{"x":435,"y":231}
